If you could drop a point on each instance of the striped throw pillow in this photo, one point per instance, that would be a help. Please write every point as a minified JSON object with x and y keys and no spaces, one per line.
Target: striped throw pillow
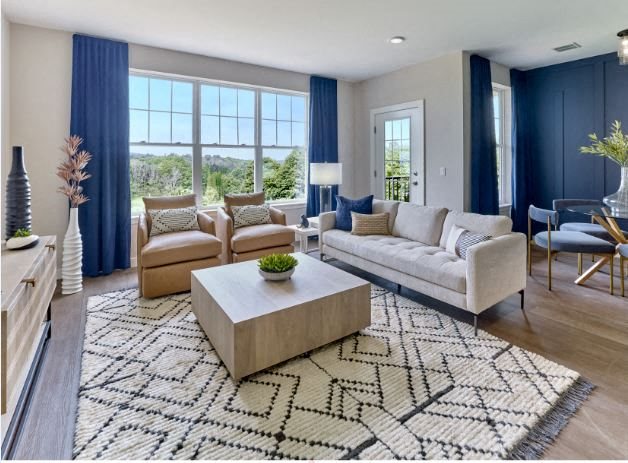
{"x":244,"y":216}
{"x":172,"y":220}
{"x":460,"y":240}
{"x":369,"y":224}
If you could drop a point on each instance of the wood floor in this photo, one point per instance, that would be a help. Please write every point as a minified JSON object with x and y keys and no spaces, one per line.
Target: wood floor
{"x":583,"y":328}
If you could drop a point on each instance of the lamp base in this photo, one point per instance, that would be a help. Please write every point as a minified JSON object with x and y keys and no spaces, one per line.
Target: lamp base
{"x":325,"y":194}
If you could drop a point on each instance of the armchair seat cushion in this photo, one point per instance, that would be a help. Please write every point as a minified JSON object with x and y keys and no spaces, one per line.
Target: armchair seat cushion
{"x":264,"y":236}
{"x":593,"y":229}
{"x":572,"y":241}
{"x":184,"y":246}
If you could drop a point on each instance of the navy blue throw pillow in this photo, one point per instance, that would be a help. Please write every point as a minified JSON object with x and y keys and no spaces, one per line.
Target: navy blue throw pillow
{"x":346,"y":206}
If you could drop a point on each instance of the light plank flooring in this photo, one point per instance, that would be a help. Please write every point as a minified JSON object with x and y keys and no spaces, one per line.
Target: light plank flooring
{"x":584,"y":328}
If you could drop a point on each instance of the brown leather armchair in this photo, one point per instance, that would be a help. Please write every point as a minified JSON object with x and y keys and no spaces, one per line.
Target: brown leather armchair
{"x":165,"y":261}
{"x":254,"y":241}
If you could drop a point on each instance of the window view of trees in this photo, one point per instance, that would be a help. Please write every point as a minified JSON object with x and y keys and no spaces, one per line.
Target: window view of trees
{"x":171,"y":174}
{"x":397,"y":159}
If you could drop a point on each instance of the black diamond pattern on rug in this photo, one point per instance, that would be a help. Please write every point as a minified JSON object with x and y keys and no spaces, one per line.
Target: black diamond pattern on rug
{"x":416,"y":384}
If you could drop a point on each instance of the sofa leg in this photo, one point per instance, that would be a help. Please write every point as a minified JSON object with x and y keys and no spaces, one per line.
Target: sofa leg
{"x":475,"y":325}
{"x":522,"y":292}
{"x":398,"y":289}
{"x":322,"y":256}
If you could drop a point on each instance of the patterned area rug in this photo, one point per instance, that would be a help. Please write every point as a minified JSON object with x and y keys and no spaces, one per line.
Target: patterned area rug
{"x":415,"y":385}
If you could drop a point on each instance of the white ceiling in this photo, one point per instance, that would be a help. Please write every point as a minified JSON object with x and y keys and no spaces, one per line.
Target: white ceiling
{"x":346,"y":39}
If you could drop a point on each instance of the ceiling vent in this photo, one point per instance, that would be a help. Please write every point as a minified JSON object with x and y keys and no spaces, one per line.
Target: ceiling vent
{"x":569,"y":46}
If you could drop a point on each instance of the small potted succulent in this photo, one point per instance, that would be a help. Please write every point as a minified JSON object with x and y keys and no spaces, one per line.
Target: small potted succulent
{"x":277,"y":267}
{"x":22,"y":239}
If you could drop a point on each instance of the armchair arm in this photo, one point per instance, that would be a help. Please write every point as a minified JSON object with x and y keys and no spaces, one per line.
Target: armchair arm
{"x":224,"y":231}
{"x":326,"y":221}
{"x":496,"y":269}
{"x":205,"y":223}
{"x":142,"y":239}
{"x":277,"y":216}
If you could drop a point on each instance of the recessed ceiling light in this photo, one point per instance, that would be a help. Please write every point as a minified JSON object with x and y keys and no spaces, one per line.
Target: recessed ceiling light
{"x":397,"y":39}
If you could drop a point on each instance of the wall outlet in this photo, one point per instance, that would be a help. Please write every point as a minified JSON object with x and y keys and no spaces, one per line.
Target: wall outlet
{"x":443,"y":171}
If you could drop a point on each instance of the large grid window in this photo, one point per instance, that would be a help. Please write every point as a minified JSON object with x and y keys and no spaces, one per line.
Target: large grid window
{"x":213,"y":139}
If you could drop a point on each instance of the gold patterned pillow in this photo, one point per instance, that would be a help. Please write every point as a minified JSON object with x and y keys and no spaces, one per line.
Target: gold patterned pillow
{"x":369,"y":224}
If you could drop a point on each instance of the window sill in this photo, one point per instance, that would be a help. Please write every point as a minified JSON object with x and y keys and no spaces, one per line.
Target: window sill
{"x":289,"y":205}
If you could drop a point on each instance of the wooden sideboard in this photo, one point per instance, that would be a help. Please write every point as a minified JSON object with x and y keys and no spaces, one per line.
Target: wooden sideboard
{"x":29,"y":278}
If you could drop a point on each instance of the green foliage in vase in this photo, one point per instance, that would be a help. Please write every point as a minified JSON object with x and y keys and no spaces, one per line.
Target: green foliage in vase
{"x":613,"y":147}
{"x":277,"y":263}
{"x":21,"y":233}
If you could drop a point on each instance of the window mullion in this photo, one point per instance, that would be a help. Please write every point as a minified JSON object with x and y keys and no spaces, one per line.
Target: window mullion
{"x":258,"y":164}
{"x":197,"y":153}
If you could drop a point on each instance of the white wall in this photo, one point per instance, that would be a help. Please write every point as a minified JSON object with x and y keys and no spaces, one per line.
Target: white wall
{"x":40,"y":70}
{"x":40,"y":75}
{"x":5,"y":99}
{"x":440,"y":83}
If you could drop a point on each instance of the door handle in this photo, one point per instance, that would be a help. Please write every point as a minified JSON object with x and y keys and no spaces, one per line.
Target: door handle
{"x":415,"y":173}
{"x":415,"y":183}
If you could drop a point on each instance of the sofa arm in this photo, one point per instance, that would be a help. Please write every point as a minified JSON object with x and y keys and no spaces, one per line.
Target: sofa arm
{"x":205,"y":223}
{"x":326,"y":221}
{"x":277,"y":216}
{"x":224,"y":231}
{"x":142,"y":239}
{"x":496,"y":269}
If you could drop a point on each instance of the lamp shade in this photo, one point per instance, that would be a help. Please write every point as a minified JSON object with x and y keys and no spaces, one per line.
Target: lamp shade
{"x":325,"y":173}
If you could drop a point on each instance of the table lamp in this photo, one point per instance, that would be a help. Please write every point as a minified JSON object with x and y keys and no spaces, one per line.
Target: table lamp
{"x":325,"y":174}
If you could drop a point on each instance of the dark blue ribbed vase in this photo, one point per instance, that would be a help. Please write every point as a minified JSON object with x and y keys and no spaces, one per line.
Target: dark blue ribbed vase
{"x":18,"y":196}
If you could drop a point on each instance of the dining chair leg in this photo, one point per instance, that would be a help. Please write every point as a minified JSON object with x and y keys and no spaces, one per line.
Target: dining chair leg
{"x":612,"y":264}
{"x":622,"y":274}
{"x":549,"y":269}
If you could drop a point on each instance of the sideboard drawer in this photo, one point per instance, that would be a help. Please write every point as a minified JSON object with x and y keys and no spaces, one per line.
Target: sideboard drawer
{"x":24,"y":313}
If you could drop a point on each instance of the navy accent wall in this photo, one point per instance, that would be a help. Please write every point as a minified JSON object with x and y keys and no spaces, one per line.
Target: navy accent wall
{"x":567,"y":102}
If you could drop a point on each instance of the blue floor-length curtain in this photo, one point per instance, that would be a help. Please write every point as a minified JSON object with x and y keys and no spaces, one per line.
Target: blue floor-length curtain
{"x":520,"y":177}
{"x":100,"y":115}
{"x":323,"y":134}
{"x":484,"y":194}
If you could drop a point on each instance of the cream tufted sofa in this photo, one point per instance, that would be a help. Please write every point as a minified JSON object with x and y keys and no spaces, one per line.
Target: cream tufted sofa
{"x":414,"y":254}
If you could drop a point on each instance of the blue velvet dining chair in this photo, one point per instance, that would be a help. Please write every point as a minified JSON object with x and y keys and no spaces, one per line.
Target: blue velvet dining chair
{"x":563,"y":241}
{"x":570,"y":221}
{"x":622,"y":249}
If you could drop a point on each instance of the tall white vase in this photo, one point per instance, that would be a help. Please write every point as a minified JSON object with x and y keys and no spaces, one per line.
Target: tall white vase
{"x":71,"y":268}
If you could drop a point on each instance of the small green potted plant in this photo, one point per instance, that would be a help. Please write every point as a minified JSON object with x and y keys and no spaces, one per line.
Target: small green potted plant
{"x":22,"y":239}
{"x":277,"y":267}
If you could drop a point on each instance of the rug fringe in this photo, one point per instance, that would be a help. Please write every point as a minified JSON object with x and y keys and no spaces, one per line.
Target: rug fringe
{"x":543,"y":434}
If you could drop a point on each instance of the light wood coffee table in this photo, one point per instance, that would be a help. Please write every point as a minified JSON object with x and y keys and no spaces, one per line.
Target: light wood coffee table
{"x":254,"y":324}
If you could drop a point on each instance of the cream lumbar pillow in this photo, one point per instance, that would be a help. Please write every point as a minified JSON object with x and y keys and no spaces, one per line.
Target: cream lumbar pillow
{"x":369,"y":224}
{"x":172,"y":220}
{"x":460,"y":240}
{"x":245,"y":216}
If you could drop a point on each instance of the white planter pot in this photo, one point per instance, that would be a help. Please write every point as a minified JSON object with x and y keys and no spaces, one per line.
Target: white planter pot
{"x":270,"y":276}
{"x":71,"y":268}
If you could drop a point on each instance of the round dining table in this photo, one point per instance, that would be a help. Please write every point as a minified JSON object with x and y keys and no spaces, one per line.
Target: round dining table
{"x":607,"y":218}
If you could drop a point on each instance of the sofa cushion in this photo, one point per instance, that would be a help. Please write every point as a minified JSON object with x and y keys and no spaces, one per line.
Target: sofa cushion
{"x":380,"y":206}
{"x":256,"y":237}
{"x":346,"y":205}
{"x":419,"y":223}
{"x":491,"y":225}
{"x":183,"y":246}
{"x":429,"y":263}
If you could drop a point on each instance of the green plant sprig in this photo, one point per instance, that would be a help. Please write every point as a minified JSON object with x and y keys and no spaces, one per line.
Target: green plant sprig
{"x":277,"y":263}
{"x":21,"y":233}
{"x":613,"y":147}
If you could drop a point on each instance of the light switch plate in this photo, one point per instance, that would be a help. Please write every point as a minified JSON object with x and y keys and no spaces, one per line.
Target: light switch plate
{"x":443,"y":171}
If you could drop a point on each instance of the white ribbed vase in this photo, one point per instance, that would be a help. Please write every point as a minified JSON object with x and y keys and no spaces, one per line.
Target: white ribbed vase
{"x":71,"y":268}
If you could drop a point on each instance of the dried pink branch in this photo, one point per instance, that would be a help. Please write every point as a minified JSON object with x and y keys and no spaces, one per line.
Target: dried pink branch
{"x":71,"y":171}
